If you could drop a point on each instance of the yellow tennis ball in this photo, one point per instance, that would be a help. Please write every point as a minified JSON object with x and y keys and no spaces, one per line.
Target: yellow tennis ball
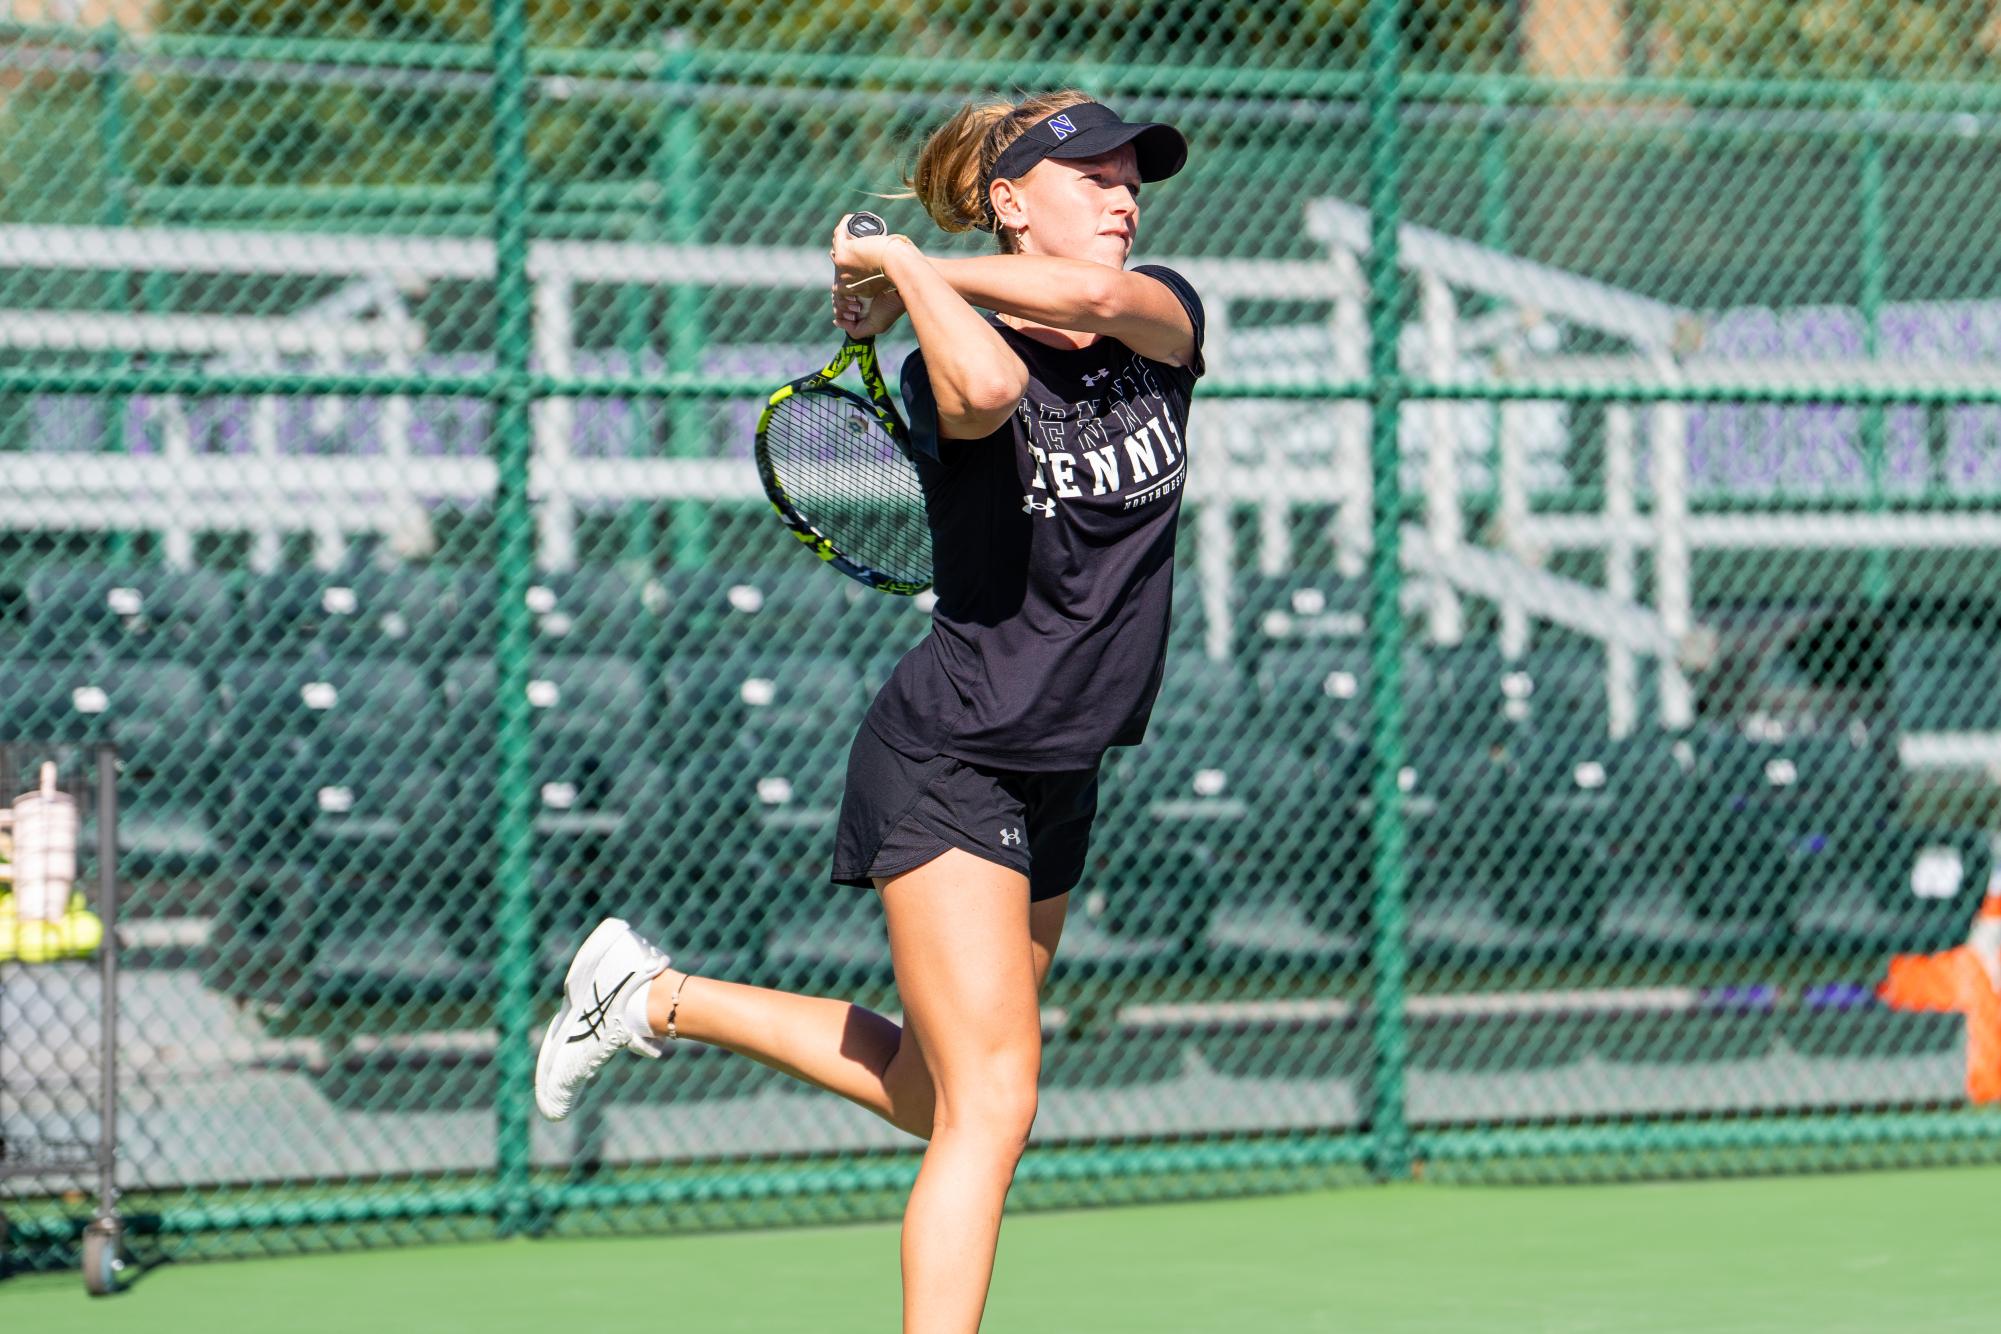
{"x":37,"y":941}
{"x":84,"y":930}
{"x":7,"y":947}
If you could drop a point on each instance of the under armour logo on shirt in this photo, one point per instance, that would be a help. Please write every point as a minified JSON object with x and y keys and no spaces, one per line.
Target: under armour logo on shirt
{"x":1047,"y":508}
{"x":1061,"y":127}
{"x":1010,"y":837}
{"x":1094,"y":376}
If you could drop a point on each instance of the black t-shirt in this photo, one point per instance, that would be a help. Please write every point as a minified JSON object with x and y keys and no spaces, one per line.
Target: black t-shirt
{"x":1052,"y":546}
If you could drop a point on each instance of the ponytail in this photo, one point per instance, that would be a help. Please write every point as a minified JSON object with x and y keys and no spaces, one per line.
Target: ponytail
{"x":950,"y":178}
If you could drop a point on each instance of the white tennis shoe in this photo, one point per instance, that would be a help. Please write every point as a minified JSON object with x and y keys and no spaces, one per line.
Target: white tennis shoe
{"x":591,"y":1025}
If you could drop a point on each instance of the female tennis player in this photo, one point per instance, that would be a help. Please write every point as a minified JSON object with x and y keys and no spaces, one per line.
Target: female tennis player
{"x":1051,"y":442}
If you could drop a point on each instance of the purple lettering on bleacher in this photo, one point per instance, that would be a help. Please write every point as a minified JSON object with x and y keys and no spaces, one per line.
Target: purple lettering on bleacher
{"x":1811,"y":451}
{"x":1737,"y":450}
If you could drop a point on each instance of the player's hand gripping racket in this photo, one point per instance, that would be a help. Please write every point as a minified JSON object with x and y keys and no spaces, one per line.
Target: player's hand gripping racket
{"x":838,"y":471}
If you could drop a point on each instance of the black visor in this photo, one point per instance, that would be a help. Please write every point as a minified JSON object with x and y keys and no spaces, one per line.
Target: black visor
{"x":1090,"y":129}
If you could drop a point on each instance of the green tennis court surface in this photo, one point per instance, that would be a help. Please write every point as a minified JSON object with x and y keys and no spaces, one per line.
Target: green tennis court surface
{"x":1866,"y":1252}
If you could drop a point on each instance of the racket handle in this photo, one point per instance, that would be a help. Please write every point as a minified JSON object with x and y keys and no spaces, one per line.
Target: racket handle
{"x":866,"y":224}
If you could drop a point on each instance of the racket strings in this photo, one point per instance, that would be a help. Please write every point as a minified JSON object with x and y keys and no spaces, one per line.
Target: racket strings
{"x":848,"y":477}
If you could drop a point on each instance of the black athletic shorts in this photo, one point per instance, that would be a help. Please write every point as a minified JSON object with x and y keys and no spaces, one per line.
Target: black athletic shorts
{"x":898,"y":813}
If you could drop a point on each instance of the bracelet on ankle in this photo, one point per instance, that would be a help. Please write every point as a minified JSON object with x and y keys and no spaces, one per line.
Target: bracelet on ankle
{"x":673,"y":1004}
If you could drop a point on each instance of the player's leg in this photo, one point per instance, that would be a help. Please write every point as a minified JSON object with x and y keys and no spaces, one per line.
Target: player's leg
{"x":965,"y":968}
{"x":835,"y":1045}
{"x":907,"y":1083}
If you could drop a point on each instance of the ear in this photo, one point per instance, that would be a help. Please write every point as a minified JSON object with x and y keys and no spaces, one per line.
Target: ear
{"x":1010,"y":208}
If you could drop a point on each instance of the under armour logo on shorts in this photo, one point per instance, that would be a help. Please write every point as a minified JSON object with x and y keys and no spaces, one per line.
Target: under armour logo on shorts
{"x":1010,"y":838}
{"x":1047,"y":508}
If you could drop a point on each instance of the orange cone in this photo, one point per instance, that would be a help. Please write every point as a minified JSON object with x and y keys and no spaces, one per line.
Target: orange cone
{"x":1966,"y":980}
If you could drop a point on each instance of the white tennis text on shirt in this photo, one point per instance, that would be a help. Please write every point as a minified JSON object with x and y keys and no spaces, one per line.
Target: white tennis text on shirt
{"x":1148,"y":455}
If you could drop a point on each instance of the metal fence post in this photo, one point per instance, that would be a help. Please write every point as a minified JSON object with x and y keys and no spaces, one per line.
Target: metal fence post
{"x":114,"y":210}
{"x":1497,"y":210}
{"x":1497,"y":233}
{"x":513,"y":443}
{"x":635,"y":340}
{"x":1386,"y":387}
{"x":1871,"y":263}
{"x":679,"y":171}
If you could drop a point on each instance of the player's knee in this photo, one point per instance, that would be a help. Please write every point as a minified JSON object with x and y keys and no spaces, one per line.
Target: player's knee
{"x":999,"y":1109}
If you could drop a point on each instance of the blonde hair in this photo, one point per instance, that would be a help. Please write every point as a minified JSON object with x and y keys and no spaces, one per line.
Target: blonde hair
{"x":950,"y":178}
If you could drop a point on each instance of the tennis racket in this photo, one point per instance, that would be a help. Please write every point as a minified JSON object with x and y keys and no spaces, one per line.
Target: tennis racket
{"x":838,"y":471}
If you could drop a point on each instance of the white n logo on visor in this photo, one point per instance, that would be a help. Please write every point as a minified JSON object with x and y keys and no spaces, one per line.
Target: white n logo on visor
{"x":1061,"y":127}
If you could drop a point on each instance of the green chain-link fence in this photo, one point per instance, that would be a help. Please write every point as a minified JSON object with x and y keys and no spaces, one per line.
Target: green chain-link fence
{"x":1584,"y":675}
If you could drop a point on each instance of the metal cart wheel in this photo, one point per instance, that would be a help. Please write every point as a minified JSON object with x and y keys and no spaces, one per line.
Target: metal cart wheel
{"x":102,"y":1263}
